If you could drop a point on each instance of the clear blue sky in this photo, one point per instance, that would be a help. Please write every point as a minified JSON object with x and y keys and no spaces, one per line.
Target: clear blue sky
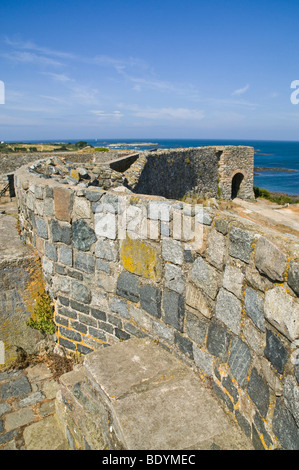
{"x":149,"y":69}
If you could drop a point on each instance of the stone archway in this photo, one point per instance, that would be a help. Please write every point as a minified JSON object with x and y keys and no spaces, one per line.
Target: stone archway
{"x":236,"y":184}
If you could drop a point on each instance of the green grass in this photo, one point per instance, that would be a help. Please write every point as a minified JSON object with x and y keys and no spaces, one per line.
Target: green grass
{"x":101,"y":149}
{"x":42,"y":318}
{"x":277,"y":198}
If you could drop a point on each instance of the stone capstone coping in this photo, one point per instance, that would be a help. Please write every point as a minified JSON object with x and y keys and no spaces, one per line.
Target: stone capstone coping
{"x":140,"y":397}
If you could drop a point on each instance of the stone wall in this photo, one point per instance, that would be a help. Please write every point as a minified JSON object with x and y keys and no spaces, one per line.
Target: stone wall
{"x":21,"y":280}
{"x":222,"y":292}
{"x":202,"y":171}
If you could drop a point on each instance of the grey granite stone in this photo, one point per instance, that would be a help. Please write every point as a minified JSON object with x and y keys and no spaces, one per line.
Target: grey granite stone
{"x":228,"y":310}
{"x":293,"y":276}
{"x":205,"y":276}
{"x":172,"y":251}
{"x":285,"y":428}
{"x":239,"y":360}
{"x":41,"y":228}
{"x":270,"y":259}
{"x":174,"y":309}
{"x":258,"y":390}
{"x":240,"y":244}
{"x":218,"y":339}
{"x":127,"y":286}
{"x":275,"y":351}
{"x":83,"y":235}
{"x":150,"y":300}
{"x":254,"y":307}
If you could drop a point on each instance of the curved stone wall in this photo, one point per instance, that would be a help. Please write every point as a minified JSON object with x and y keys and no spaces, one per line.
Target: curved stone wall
{"x":217,"y":290}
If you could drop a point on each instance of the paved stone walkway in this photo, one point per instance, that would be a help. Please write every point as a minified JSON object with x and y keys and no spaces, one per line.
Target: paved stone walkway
{"x":27,"y":410}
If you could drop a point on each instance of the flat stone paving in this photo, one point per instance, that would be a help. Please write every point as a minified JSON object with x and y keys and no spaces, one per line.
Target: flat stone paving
{"x":27,"y":410}
{"x":153,"y":401}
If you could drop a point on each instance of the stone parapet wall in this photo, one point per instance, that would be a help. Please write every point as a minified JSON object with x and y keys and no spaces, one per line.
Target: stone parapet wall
{"x":233,"y":161}
{"x":117,"y":266}
{"x":204,"y":172}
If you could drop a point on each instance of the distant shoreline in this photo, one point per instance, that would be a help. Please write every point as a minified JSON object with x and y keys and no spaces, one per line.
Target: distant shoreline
{"x":133,"y":144}
{"x":264,"y":168}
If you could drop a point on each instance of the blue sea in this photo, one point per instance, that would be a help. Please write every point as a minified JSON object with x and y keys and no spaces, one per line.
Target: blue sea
{"x":269,"y":154}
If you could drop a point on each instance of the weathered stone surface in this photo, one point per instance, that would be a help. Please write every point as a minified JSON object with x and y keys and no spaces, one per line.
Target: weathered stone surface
{"x":148,"y":384}
{"x":32,"y":399}
{"x":127,"y":286}
{"x":60,"y":232}
{"x":228,"y":310}
{"x":203,"y":216}
{"x":174,"y":278}
{"x":85,"y":262}
{"x":70,"y":334}
{"x":221,"y":225}
{"x":258,"y":391}
{"x":174,"y":309}
{"x":45,"y":435}
{"x":39,"y":192}
{"x":51,"y":251}
{"x":102,"y":265}
{"x":196,"y":327}
{"x":83,"y":235}
{"x":106,"y":282}
{"x":254,"y":337}
{"x":105,"y":223}
{"x":49,"y":207}
{"x":41,"y":228}
{"x":159,"y":210}
{"x":239,"y":360}
{"x":150,"y":300}
{"x":205,"y":276}
{"x":275,"y":351}
{"x":80,"y":292}
{"x":94,"y":196}
{"x":203,"y":360}
{"x":285,"y":428}
{"x":66,"y":255}
{"x":291,"y":397}
{"x":260,"y":427}
{"x":120,"y":307}
{"x":172,"y":251}
{"x":106,"y":249}
{"x":141,"y":258}
{"x":240,"y":244}
{"x":270,"y":259}
{"x":196,"y":299}
{"x":293,"y":276}
{"x":19,"y":418}
{"x":218,"y":340}
{"x":233,"y":280}
{"x":19,"y":387}
{"x":63,"y":201}
{"x":47,"y":265}
{"x":282,"y":311}
{"x":254,"y":307}
{"x":216,"y":249}
{"x":81,"y":209}
{"x":74,"y":175}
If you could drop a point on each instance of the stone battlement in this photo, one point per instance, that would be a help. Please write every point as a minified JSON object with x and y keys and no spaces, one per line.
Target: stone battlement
{"x":214,"y":288}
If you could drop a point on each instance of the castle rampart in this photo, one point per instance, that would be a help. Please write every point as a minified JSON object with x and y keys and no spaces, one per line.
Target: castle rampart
{"x":214,"y":288}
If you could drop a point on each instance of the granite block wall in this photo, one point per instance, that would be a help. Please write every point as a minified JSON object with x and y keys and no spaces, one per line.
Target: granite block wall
{"x":200,"y":171}
{"x":217,"y":290}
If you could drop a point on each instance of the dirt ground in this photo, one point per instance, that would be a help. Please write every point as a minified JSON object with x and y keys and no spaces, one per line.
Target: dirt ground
{"x":283,"y":219}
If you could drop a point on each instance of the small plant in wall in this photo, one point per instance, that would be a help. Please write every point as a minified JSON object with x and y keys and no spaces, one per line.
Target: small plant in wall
{"x":42,"y":317}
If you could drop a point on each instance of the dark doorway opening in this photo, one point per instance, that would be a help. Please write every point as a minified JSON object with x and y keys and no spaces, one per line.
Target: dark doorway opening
{"x":236,"y":183}
{"x":11,"y":185}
